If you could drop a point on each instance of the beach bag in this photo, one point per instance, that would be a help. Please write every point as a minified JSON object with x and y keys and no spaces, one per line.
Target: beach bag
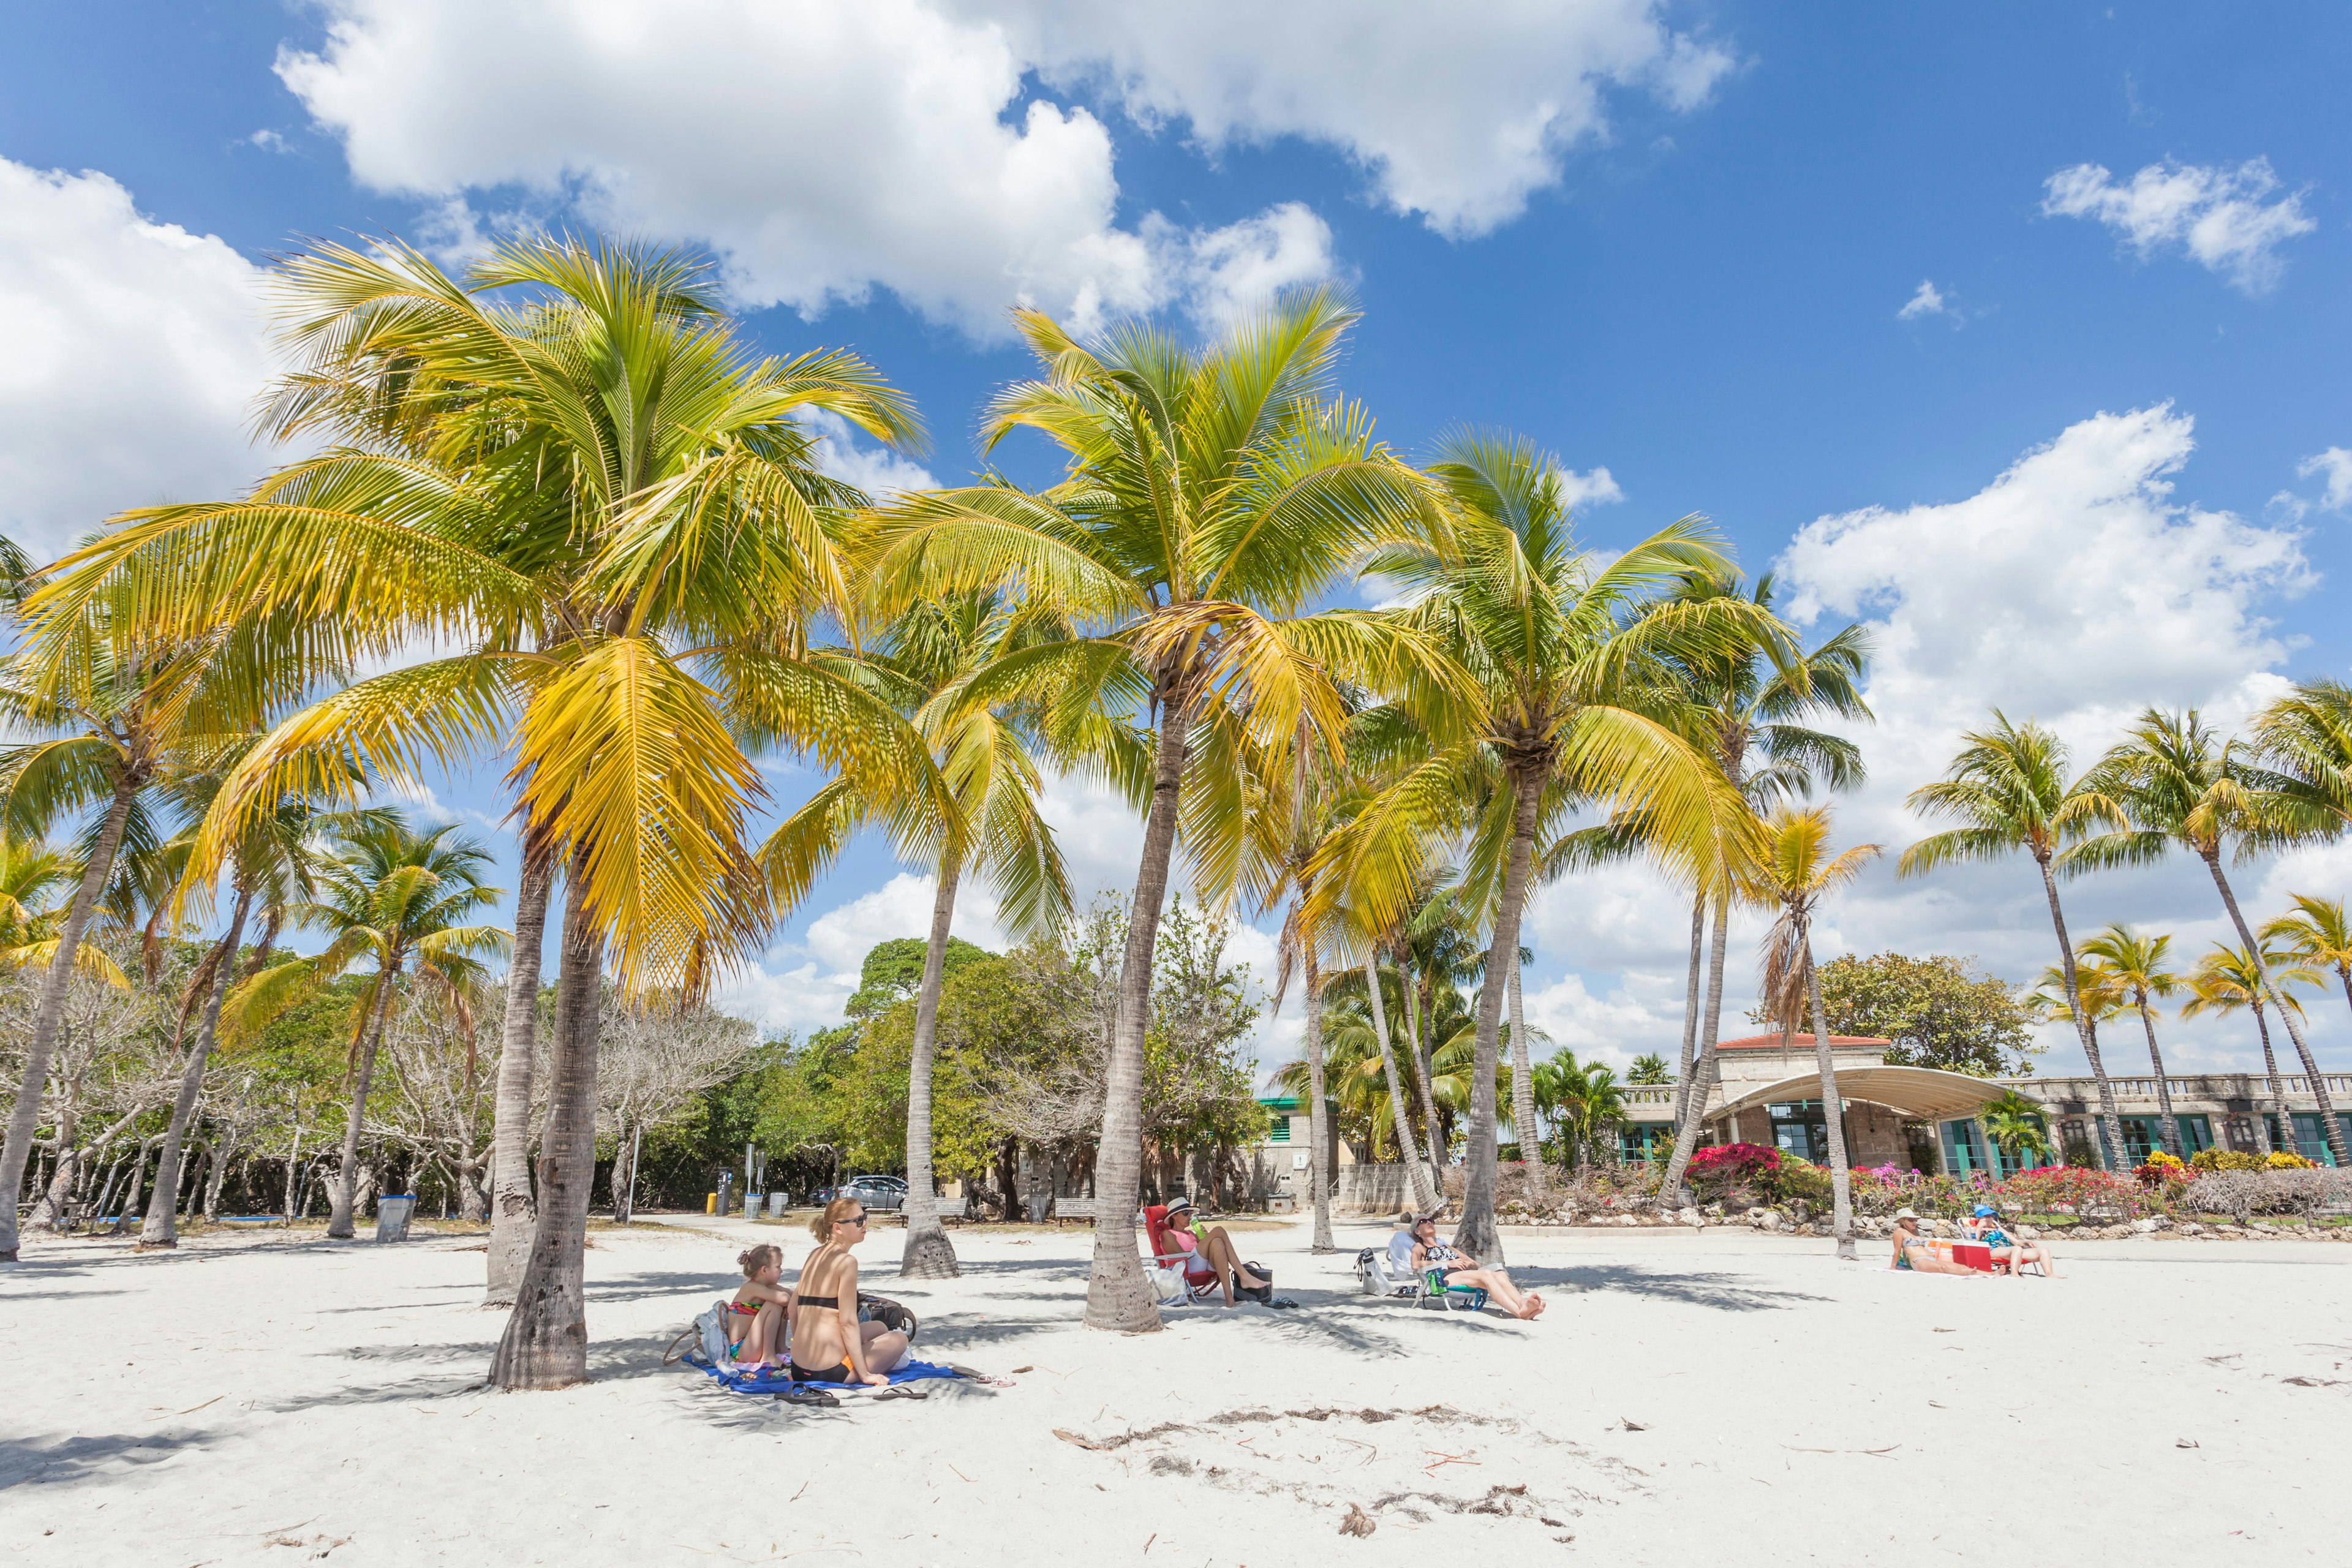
{"x":1266,"y":1292}
{"x":710,"y":1334}
{"x":889,"y":1313}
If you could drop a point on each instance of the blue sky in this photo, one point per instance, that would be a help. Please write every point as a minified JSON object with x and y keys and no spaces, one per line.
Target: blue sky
{"x":2019,"y":333}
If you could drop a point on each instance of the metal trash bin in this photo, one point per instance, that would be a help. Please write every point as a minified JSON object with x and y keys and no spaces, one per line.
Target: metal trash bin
{"x":391,"y":1215}
{"x":777,"y":1204}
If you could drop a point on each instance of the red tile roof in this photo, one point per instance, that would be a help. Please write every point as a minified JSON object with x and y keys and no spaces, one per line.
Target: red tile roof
{"x":1797,"y":1042}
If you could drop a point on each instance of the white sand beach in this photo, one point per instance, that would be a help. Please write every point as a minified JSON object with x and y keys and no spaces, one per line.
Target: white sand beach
{"x":273,"y":1400}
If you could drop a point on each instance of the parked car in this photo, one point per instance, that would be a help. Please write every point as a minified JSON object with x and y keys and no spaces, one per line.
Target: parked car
{"x":886,"y":1192}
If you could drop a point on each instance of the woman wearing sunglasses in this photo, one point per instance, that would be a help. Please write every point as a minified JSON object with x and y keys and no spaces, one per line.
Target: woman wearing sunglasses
{"x":829,"y":1344}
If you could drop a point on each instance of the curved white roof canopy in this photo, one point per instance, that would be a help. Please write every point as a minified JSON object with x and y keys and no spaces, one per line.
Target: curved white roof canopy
{"x":1927,"y":1092}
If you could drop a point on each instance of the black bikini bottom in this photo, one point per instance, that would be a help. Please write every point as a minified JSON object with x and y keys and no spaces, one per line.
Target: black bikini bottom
{"x":838,"y":1373}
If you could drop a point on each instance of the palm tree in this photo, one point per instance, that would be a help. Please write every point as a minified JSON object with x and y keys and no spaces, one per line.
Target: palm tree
{"x":112,"y":707}
{"x":274,"y":863}
{"x":935,"y":654}
{"x":2014,"y":1124}
{"x":2316,"y":937}
{"x":1797,"y":871}
{"x":2135,"y":966}
{"x":1752,"y":706}
{"x":1210,"y":495}
{"x":396,"y":898}
{"x":2009,"y":787}
{"x":1649,"y":1069}
{"x":2229,"y":978}
{"x":2097,"y":999}
{"x":1573,"y":702}
{"x":1583,"y":1100}
{"x":2175,"y":780}
{"x":612,"y":511}
{"x":1370,"y":984}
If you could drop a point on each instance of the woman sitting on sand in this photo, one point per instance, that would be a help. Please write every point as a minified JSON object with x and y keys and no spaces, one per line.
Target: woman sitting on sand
{"x":1212,"y":1255}
{"x":756,"y":1318}
{"x":2008,"y":1253}
{"x":1913,"y":1254}
{"x":829,"y":1344}
{"x":1428,"y":1252}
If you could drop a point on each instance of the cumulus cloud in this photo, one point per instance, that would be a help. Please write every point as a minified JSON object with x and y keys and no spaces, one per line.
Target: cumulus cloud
{"x":2336,"y":465}
{"x":1926,"y":301}
{"x":2224,"y":218}
{"x":134,"y":352}
{"x":1455,"y":117}
{"x":1598,"y":488}
{"x":825,"y":150}
{"x":875,"y":470}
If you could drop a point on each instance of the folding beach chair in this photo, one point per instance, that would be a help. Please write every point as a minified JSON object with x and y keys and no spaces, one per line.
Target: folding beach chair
{"x":1170,"y":1281}
{"x":1378,"y":1279}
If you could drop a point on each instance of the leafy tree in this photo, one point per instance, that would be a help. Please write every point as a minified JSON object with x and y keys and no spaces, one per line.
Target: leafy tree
{"x":893,"y":971}
{"x":1938,"y":1011}
{"x":1650,"y":1068}
{"x":2014,"y":1123}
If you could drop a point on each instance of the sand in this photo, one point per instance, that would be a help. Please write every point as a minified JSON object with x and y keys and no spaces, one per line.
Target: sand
{"x":289,"y":1400}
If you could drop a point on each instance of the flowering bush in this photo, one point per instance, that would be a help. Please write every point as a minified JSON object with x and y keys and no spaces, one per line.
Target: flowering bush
{"x":2219,"y":1159}
{"x":2281,"y":1160}
{"x":2160,"y":1167}
{"x":2070,"y":1189}
{"x":1713,"y":1171}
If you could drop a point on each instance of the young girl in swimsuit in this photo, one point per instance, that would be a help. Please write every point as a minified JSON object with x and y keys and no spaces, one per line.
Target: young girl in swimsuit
{"x":829,"y":1344}
{"x":755,"y":1319}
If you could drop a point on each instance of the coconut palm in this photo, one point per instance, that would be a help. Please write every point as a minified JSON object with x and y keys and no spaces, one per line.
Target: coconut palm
{"x":2175,"y":780}
{"x":2229,"y":978}
{"x":273,"y":863}
{"x":933,"y":653}
{"x":2013,"y":1124}
{"x":1210,"y":496}
{"x":2135,"y":965}
{"x":2008,"y":787}
{"x":614,"y":514}
{"x":1574,"y":702}
{"x":1798,"y":872}
{"x":394,"y":898}
{"x":1582,"y":1098}
{"x":1370,"y":987}
{"x":111,"y":707}
{"x":1649,"y":1069}
{"x":2315,"y":937}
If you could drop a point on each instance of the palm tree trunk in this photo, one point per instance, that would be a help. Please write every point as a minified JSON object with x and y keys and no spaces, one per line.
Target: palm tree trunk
{"x":1476,"y":1235}
{"x":1701,"y":1083}
{"x":340,"y":1216}
{"x":2111,"y":1126}
{"x":1523,"y":1094}
{"x":1833,"y":1105}
{"x":2278,"y":1090}
{"x":510,"y":1196}
{"x":1319,"y":1130}
{"x":49,"y":1011}
{"x":2163,"y":1090}
{"x":160,"y":1229}
{"x":545,"y":1344}
{"x":1119,"y":1295}
{"x":1414,"y":1050}
{"x":1424,"y":1200}
{"x":929,"y":1253}
{"x":1690,"y":1003}
{"x":2331,"y":1129}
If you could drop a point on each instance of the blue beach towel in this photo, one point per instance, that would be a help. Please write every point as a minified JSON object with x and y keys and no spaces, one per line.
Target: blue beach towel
{"x":777,"y":1381}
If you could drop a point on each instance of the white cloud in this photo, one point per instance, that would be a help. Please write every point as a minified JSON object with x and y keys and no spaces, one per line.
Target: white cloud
{"x":820,"y":150}
{"x":1579,"y":490}
{"x":134,"y":350}
{"x":2223,"y":218}
{"x":1927,"y":300}
{"x":875,"y":470}
{"x":269,"y":140}
{"x":1456,"y":117}
{"x":2335,"y":463}
{"x":823,"y":151}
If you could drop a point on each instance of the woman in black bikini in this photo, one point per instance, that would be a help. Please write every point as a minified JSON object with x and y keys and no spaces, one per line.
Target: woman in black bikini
{"x":829,"y":1344}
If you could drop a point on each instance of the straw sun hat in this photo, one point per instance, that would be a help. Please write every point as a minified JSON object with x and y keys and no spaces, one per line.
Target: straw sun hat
{"x":1906,"y":1214}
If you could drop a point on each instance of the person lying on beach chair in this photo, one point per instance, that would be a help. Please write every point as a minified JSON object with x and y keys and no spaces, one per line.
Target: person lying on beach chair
{"x":1914,"y":1256}
{"x":2010,"y":1256}
{"x":1428,"y":1252}
{"x":759,"y":1317}
{"x":829,"y":1344}
{"x":1210,"y":1255}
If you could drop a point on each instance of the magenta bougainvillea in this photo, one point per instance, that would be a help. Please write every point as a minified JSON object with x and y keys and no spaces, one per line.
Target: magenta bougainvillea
{"x":1734,"y":1162}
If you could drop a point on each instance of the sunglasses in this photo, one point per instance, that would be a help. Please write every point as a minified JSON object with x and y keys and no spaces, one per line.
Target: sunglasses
{"x":857,"y":1219}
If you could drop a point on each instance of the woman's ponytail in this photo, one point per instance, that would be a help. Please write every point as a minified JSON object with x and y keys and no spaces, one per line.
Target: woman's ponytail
{"x":821,"y":1228}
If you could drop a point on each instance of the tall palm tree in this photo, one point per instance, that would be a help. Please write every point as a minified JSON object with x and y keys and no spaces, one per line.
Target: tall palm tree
{"x":1369,"y":987}
{"x":394,"y":898}
{"x":274,"y":863}
{"x":2229,"y":978}
{"x":935,"y":653}
{"x":1573,"y":701}
{"x":2316,"y":937}
{"x":1798,"y":872}
{"x":1754,"y":707}
{"x":112,"y":707}
{"x":2175,"y":781}
{"x":1210,"y":495}
{"x":2013,"y":1124}
{"x":2135,"y":966}
{"x":2008,"y":787}
{"x":611,"y":513}
{"x":1583,"y":1100}
{"x":2097,"y":1000}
